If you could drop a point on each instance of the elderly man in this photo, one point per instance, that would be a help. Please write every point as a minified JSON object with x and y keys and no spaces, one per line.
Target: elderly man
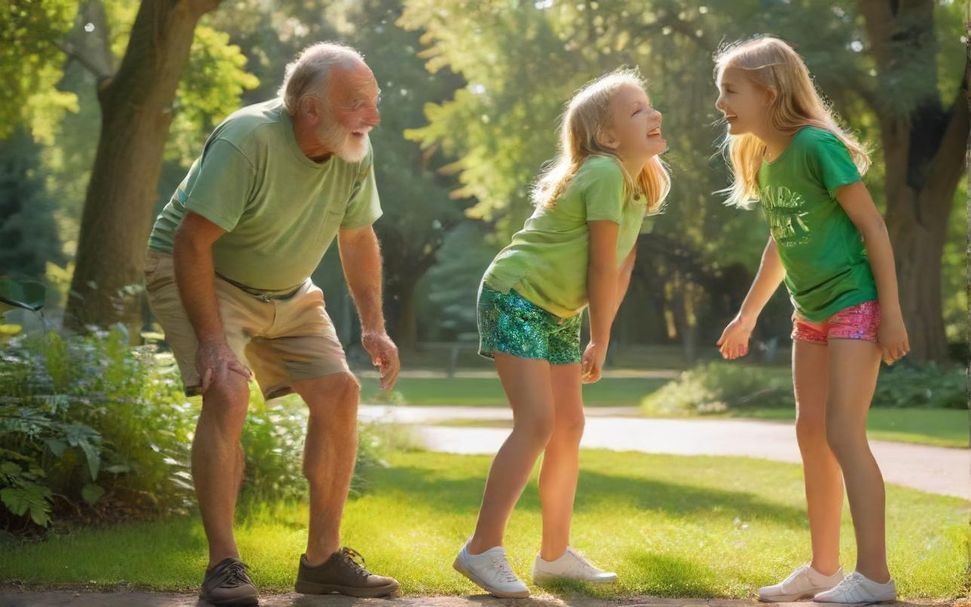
{"x":227,"y":275}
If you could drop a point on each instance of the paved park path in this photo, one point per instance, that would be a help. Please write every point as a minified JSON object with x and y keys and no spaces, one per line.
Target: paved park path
{"x":940,"y":470}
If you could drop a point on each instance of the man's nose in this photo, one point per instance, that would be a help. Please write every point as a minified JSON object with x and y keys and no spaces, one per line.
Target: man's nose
{"x":373,"y":118}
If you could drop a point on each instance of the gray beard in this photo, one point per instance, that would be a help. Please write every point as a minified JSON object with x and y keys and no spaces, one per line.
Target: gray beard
{"x":343,"y":146}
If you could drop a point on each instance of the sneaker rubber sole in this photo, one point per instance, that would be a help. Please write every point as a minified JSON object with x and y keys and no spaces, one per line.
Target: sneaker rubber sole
{"x":238,"y":602}
{"x":460,"y":567}
{"x":787,"y":598}
{"x":364,"y":592}
{"x":549,"y":578}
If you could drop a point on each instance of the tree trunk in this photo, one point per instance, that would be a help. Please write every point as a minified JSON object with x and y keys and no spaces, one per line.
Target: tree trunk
{"x":917,"y":217}
{"x":404,"y":262}
{"x":136,"y":109}
{"x":923,"y":148}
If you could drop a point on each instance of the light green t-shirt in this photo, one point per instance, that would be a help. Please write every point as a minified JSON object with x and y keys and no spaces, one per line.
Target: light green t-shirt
{"x":827,"y":269}
{"x":547,"y":260}
{"x":280,"y":210}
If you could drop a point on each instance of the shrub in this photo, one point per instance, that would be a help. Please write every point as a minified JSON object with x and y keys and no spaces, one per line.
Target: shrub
{"x":720,"y":387}
{"x":91,"y":426}
{"x":717,"y":387}
{"x":88,"y":420}
{"x":929,"y":386}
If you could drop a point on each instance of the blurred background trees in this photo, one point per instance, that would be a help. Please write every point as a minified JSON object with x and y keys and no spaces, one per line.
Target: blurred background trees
{"x":106,"y":103}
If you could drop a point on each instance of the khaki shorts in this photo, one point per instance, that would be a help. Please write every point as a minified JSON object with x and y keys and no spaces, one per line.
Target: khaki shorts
{"x":281,"y":340}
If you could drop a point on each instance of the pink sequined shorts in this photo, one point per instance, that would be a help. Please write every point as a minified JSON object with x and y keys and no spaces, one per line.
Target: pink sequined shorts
{"x":856,"y":322}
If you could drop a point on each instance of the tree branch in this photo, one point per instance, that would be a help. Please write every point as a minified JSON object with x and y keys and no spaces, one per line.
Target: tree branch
{"x":90,"y":48}
{"x":948,"y":162}
{"x":86,"y":62}
{"x":878,"y":20}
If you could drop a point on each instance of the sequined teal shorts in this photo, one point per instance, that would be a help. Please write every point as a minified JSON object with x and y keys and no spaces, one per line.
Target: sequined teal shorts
{"x":511,"y":324}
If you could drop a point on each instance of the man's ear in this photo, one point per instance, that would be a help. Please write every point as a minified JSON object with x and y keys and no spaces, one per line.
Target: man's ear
{"x":309,"y":106}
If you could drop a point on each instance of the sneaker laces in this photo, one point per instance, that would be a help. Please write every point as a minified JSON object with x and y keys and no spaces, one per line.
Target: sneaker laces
{"x":355,"y":560}
{"x":580,"y":564}
{"x":234,"y":574}
{"x":584,"y":562}
{"x":850,"y":583}
{"x":504,"y":571}
{"x":795,"y":575}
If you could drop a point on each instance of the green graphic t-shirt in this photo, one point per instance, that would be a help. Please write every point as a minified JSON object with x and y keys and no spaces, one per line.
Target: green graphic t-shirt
{"x":547,"y":260}
{"x":827,"y":269}
{"x":280,"y":209}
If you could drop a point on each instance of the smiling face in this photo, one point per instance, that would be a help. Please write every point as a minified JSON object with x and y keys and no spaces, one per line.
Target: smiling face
{"x":350,"y":112}
{"x":742,"y":102}
{"x":634,"y":130}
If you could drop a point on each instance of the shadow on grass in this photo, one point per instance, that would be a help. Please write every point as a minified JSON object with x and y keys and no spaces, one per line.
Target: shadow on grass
{"x":673,"y":577}
{"x":659,"y":575}
{"x":461,"y":495}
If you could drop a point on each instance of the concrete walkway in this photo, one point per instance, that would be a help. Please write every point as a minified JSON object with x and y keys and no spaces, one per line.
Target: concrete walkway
{"x":933,"y":469}
{"x":70,"y":598}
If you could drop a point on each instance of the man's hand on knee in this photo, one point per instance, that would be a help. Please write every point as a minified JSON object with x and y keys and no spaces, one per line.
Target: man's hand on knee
{"x":215,"y":361}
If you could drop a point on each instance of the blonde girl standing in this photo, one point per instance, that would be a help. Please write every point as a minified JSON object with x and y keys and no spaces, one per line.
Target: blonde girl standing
{"x":576,"y":250}
{"x":830,"y":246}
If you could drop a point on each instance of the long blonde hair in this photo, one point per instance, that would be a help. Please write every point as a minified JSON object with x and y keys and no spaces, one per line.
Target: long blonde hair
{"x":586,"y":116}
{"x":771,"y":64}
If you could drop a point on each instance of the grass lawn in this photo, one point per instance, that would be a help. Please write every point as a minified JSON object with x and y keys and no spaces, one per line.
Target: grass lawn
{"x":487,"y":391}
{"x":670,"y":526}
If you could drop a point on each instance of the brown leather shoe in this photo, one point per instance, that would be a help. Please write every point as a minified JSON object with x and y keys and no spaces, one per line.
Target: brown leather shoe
{"x":228,"y":584}
{"x":343,"y":573}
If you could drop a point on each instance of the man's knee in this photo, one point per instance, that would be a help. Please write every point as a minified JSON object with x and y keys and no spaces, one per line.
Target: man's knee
{"x":335,"y":396}
{"x":349,"y":388}
{"x":227,"y":401}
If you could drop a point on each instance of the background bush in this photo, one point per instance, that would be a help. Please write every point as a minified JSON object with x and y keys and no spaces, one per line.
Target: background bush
{"x":91,"y":428}
{"x":720,"y":387}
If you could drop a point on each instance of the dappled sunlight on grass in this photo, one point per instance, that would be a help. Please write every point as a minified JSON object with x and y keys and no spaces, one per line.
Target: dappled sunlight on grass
{"x":670,"y":526}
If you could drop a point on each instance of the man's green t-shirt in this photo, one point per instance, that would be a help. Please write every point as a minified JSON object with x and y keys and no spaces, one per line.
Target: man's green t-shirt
{"x":547,"y":260}
{"x":280,"y":209}
{"x":827,"y":269}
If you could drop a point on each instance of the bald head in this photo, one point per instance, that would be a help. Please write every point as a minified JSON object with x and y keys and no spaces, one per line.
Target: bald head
{"x":332,"y":97}
{"x":312,"y":71}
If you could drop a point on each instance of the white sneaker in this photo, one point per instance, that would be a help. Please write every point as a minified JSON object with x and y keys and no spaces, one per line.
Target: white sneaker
{"x":491,"y":572}
{"x":570,"y":566}
{"x":802,"y":583}
{"x":857,"y":588}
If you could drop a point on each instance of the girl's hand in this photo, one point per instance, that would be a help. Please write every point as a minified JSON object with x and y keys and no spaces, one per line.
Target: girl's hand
{"x":892,"y":338}
{"x":592,"y":363}
{"x":734,"y":340}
